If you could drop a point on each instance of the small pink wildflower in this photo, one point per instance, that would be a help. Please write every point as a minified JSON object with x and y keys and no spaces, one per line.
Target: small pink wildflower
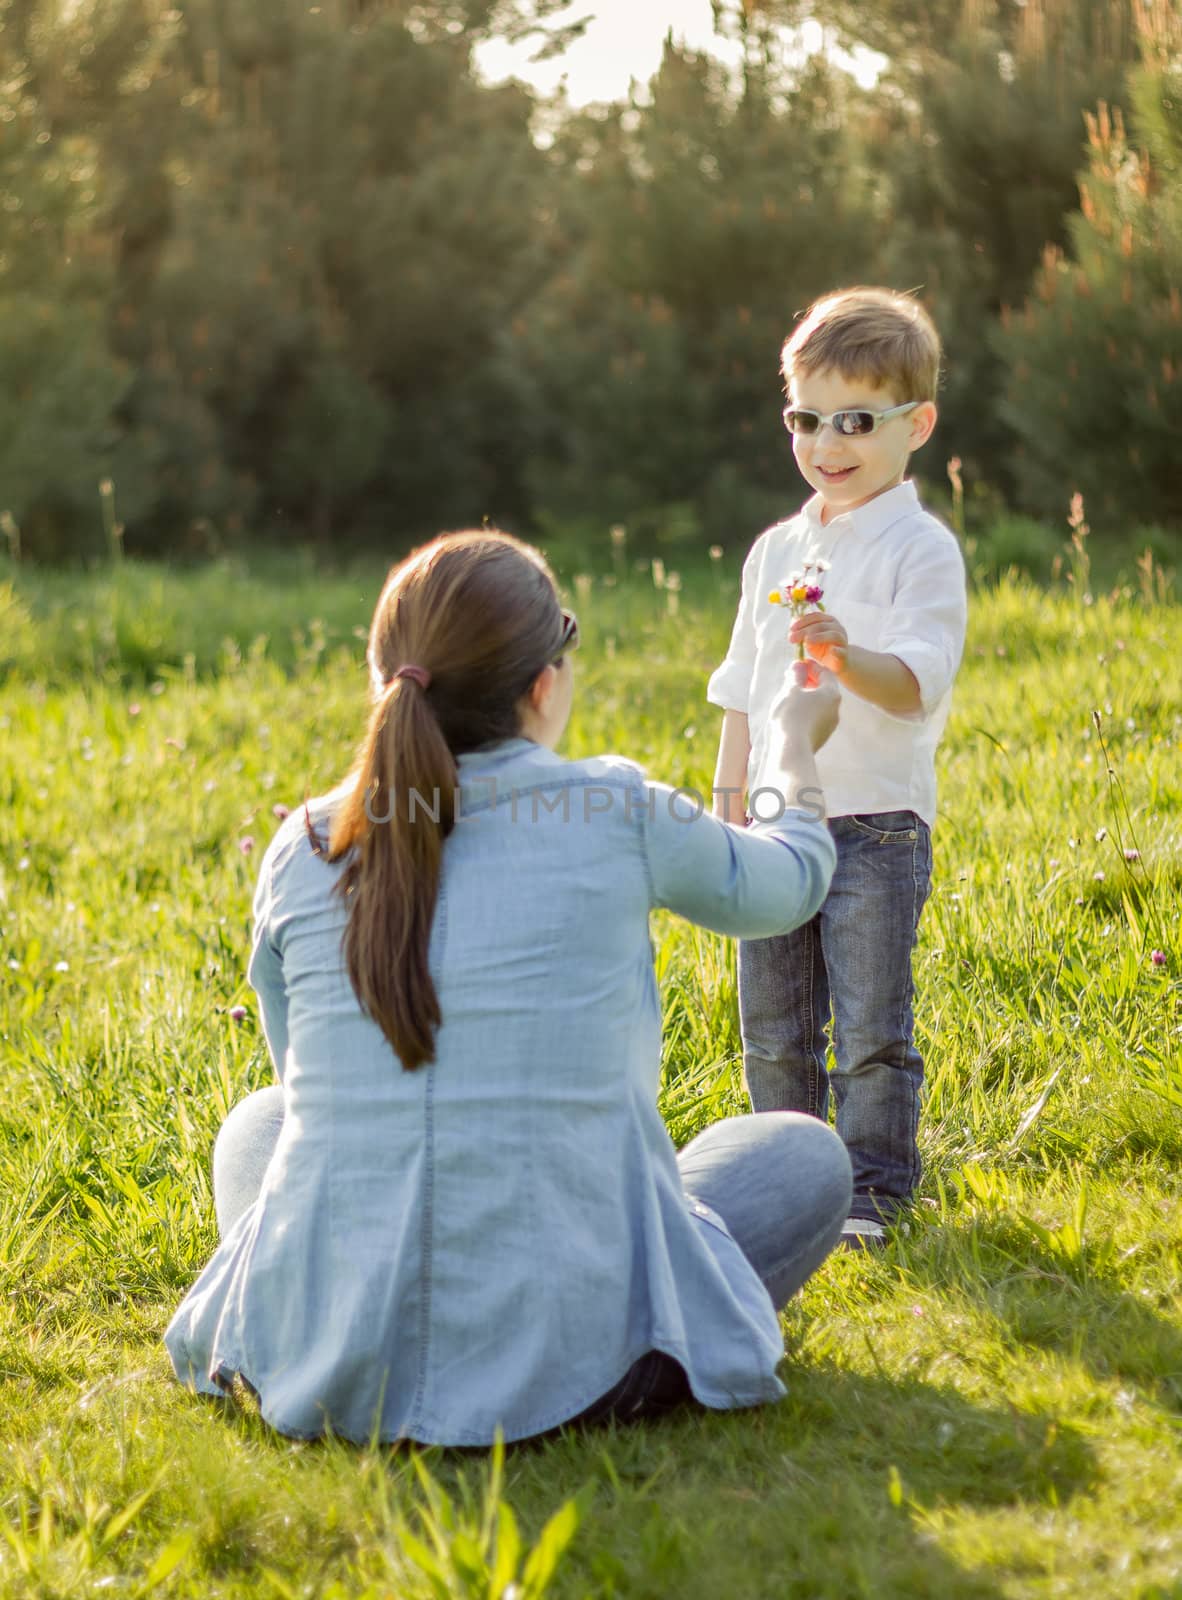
{"x":246,"y":845}
{"x":1132,"y":855}
{"x":280,"y":812}
{"x":1158,"y":957}
{"x":134,"y":709}
{"x":237,"y":1013}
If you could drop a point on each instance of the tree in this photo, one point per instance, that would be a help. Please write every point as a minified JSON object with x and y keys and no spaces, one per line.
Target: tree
{"x":316,"y":228}
{"x":695,"y":226}
{"x":1096,"y":353}
{"x":61,"y":381}
{"x":978,"y":137}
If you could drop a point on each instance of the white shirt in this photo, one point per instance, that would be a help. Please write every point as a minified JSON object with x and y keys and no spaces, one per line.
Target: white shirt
{"x":896,"y":583}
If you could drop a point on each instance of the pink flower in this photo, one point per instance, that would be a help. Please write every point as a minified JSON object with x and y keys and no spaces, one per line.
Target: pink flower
{"x":133,"y":709}
{"x":1158,"y":957}
{"x":246,"y":845}
{"x":237,"y":1013}
{"x":1132,"y":855}
{"x":812,"y":594}
{"x":280,"y":811}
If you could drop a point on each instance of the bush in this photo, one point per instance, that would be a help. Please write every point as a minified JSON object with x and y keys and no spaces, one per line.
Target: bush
{"x":1023,"y":543}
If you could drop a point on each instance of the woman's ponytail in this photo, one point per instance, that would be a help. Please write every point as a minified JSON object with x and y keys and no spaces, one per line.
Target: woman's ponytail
{"x":394,"y":822}
{"x":477,"y":615}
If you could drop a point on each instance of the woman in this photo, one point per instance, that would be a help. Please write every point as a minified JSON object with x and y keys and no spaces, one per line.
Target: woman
{"x":460,"y":1211}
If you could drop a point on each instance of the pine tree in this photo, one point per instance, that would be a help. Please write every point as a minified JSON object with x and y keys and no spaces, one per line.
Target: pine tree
{"x":315,"y":227}
{"x":697,"y":224}
{"x":979,"y":135}
{"x":1095,"y":356}
{"x":61,"y":382}
{"x":322,"y":343}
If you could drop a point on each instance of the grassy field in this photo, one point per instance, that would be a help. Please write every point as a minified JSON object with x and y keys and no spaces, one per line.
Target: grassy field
{"x":991,"y":1409}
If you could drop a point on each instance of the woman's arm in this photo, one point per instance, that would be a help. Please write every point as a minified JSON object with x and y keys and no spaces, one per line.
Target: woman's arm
{"x":750,"y":883}
{"x":265,"y":973}
{"x":773,"y":876}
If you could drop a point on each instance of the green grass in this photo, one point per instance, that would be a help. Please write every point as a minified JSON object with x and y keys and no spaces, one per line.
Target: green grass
{"x":989,"y":1410}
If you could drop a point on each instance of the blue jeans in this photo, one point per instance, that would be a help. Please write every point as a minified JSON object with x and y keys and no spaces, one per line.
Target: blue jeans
{"x":852,"y":960}
{"x":781,"y":1183}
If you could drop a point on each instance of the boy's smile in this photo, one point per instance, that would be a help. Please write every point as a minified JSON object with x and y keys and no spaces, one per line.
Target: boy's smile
{"x":848,"y":470}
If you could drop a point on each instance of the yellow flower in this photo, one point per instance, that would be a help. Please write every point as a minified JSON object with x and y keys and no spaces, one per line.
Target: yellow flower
{"x":776,"y":598}
{"x":800,"y":594}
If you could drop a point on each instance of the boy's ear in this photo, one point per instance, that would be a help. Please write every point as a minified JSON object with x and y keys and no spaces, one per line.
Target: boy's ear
{"x":923,"y":422}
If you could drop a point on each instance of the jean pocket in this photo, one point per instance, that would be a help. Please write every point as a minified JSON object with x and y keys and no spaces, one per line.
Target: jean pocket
{"x":887,"y":827}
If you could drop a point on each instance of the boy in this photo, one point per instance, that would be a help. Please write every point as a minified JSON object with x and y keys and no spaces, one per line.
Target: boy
{"x":861,"y":372}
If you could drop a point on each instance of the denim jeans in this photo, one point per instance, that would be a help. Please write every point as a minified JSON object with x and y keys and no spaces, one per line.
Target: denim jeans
{"x":780,"y":1183}
{"x":852,"y":961}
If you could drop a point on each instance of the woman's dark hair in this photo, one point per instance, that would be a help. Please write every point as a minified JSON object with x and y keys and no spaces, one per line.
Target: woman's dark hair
{"x":478,"y":615}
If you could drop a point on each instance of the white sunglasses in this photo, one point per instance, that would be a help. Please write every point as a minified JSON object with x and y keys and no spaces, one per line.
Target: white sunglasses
{"x":850,"y":424}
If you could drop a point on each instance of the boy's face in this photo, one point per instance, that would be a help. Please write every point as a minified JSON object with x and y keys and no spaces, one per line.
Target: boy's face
{"x":848,"y":470}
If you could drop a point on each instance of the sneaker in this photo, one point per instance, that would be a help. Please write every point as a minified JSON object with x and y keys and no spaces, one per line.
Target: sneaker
{"x":860,"y":1233}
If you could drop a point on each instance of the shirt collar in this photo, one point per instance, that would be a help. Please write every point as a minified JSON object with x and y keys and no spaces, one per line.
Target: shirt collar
{"x":497,"y":755}
{"x":875,"y":517}
{"x":498,"y":769}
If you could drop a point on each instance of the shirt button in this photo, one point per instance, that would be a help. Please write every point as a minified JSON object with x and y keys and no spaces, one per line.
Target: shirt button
{"x":913,"y":834}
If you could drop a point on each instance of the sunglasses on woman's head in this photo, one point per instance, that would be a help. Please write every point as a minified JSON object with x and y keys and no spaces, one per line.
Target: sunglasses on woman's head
{"x":570,"y":633}
{"x":850,"y":424}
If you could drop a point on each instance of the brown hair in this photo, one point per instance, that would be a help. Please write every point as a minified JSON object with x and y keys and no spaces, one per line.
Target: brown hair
{"x":479,"y":613}
{"x":879,"y":335}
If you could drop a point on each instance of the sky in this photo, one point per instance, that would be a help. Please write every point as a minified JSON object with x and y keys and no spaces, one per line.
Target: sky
{"x":624,"y":41}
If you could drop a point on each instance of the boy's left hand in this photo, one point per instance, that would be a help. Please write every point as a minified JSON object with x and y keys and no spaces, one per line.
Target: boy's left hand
{"x":823,"y":637}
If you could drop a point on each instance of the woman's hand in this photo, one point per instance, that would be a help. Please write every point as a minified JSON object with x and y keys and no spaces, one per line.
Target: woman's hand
{"x":810,"y":708}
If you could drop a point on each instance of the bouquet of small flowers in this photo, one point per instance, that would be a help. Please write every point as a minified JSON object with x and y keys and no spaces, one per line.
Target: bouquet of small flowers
{"x":802,"y":593}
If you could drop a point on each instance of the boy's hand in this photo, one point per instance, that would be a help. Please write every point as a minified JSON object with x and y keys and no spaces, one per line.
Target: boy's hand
{"x":823,"y":637}
{"x":884,"y":679}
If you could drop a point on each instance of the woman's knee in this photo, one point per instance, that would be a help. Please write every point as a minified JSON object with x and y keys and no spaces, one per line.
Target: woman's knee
{"x":242,"y":1151}
{"x":810,"y":1151}
{"x":250,"y":1122}
{"x":785,"y":1161}
{"x":830,"y":1161}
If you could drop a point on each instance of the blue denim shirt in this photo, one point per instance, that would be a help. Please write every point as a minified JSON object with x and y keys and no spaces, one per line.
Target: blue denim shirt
{"x":492,"y":1240}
